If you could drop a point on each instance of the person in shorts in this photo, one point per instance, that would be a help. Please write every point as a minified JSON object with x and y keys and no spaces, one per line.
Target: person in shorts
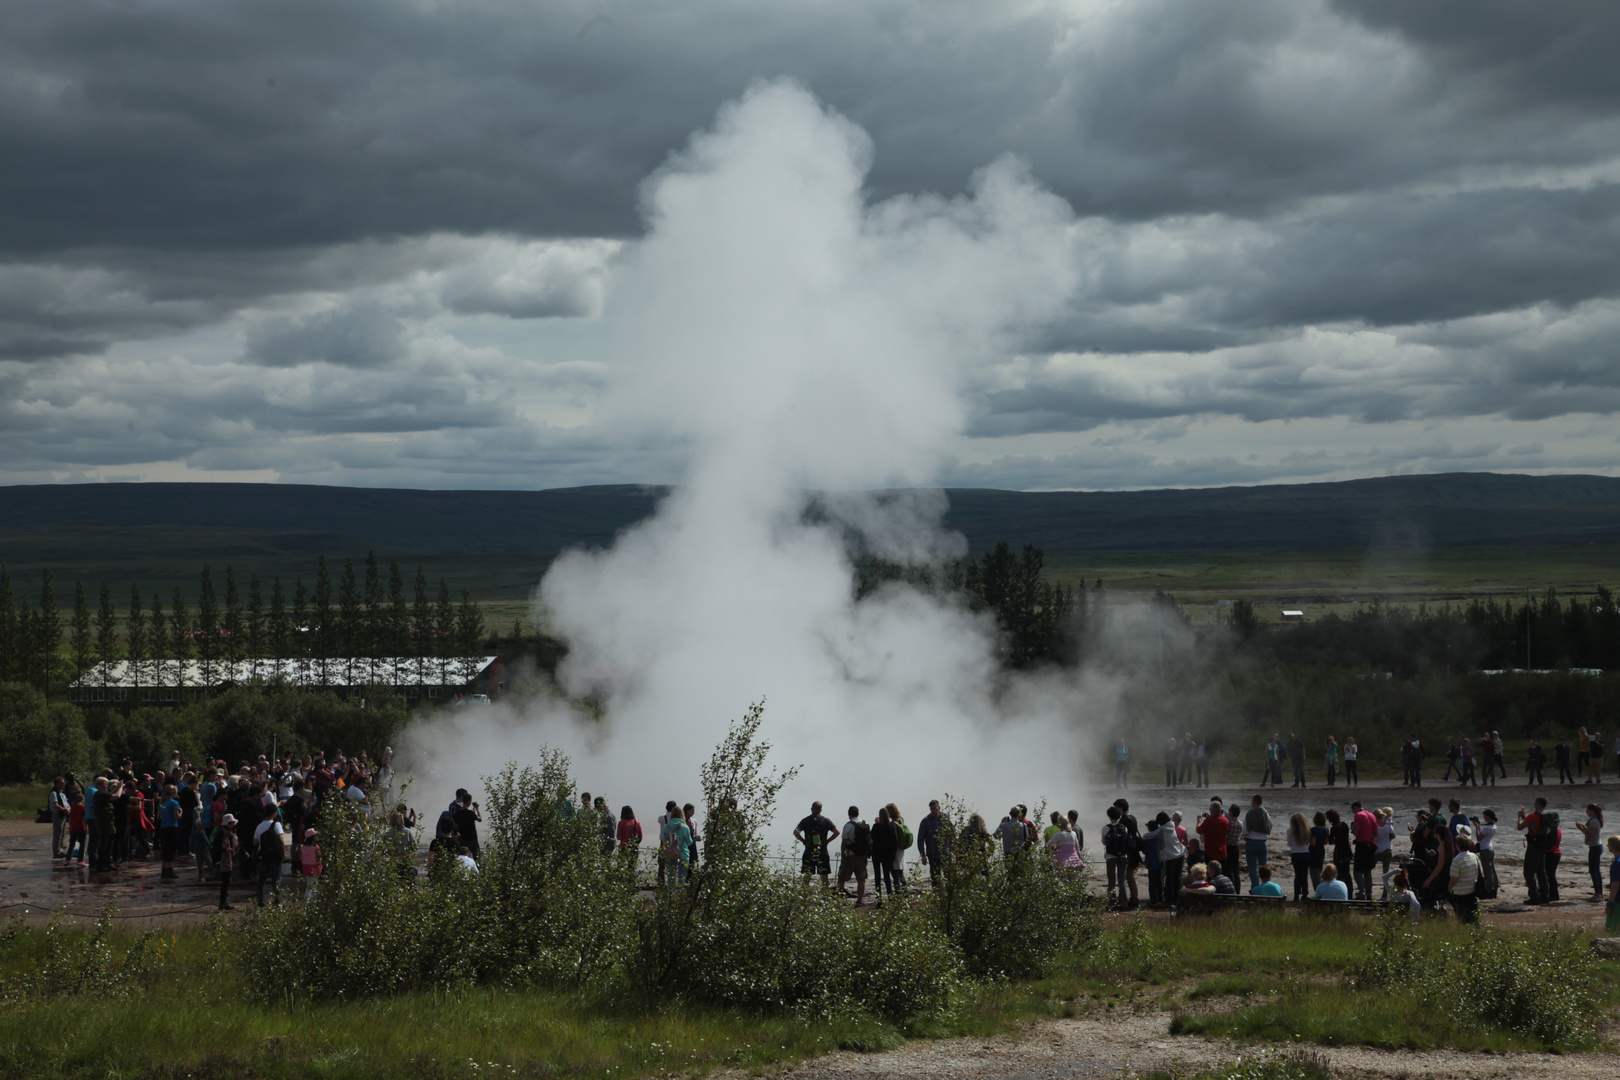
{"x":814,"y":831}
{"x":854,"y":852}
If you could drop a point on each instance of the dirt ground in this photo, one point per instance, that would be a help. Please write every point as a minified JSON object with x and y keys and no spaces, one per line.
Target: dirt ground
{"x":1120,"y":1045}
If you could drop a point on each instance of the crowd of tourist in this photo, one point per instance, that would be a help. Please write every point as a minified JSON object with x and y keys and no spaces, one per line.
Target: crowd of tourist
{"x":245,"y":824}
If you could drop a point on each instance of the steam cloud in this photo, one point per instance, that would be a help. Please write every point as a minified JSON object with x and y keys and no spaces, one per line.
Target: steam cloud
{"x":798,"y":339}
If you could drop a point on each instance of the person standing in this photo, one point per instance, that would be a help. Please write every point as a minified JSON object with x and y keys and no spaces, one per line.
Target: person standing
{"x":1535,"y":759}
{"x":1172,"y":855}
{"x":628,"y":833}
{"x":674,"y":848}
{"x":1364,"y":830}
{"x":1583,"y":748}
{"x":1465,"y":759}
{"x":1417,"y":761}
{"x":1501,"y":753}
{"x":1065,"y":847}
{"x":169,"y":830}
{"x":1535,"y":853}
{"x":272,"y":851}
{"x":1555,"y":852}
{"x":1594,"y":768}
{"x":1330,"y":760}
{"x":931,"y":840}
{"x":60,"y":811}
{"x":1339,"y":835}
{"x":467,"y":815}
{"x":1234,"y":847}
{"x":853,"y":852}
{"x":1172,"y":756}
{"x":1321,"y":837}
{"x":1213,"y":829}
{"x":1122,"y":765}
{"x":1592,"y":831}
{"x":1465,"y":870}
{"x":1296,"y":757}
{"x":1561,"y":759}
{"x":1485,"y":848}
{"x":1351,"y":750}
{"x":1299,"y":853}
{"x":1256,"y":833}
{"x":814,"y":831}
{"x":1133,"y":844}
{"x":1453,"y":758}
{"x":1611,"y":921}
{"x":1201,"y":760}
{"x":1116,"y":856}
{"x":227,"y":859}
{"x":885,"y":840}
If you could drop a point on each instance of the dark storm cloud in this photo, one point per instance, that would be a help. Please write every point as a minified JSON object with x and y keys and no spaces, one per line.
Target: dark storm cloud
{"x":1380,"y":211}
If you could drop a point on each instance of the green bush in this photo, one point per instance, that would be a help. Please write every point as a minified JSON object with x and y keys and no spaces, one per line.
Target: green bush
{"x":1010,"y":916}
{"x":39,"y":741}
{"x":61,"y":961}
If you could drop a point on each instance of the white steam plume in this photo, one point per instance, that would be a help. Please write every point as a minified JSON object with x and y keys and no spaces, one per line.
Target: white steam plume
{"x":798,"y":339}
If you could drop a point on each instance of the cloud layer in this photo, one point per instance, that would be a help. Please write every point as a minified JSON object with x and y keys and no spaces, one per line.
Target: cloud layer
{"x":378,"y":243}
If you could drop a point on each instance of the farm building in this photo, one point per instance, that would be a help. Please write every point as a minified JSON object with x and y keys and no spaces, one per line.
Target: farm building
{"x":171,"y":682}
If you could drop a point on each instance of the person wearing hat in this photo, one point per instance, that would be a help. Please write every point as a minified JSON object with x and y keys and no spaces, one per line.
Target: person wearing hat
{"x":1465,"y":877}
{"x":228,"y":844}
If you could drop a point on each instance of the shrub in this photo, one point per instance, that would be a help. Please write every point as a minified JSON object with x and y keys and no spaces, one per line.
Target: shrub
{"x":1536,"y":984}
{"x":1010,"y":915}
{"x":60,"y":961}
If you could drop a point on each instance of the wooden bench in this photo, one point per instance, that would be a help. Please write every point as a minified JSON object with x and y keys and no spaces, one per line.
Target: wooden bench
{"x":1340,"y":907}
{"x":1208,"y":903}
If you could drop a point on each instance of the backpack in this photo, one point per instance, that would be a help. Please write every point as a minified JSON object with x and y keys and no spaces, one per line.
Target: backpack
{"x":270,"y":847}
{"x":1549,"y":827}
{"x":1116,"y":839}
{"x":906,"y":839}
{"x":861,"y":843}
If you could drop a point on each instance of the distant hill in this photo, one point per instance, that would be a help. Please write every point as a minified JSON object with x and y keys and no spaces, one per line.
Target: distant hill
{"x":1400,"y":511}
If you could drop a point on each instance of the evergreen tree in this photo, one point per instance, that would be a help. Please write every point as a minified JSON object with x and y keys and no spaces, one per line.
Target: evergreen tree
{"x":160,"y":644}
{"x":79,"y":639}
{"x":373,"y":634}
{"x":421,"y":626}
{"x":280,"y":630}
{"x":351,"y":622}
{"x":253,"y":625}
{"x":300,"y":625}
{"x":27,"y":644}
{"x":135,"y":639}
{"x":207,"y":637}
{"x":323,"y":626}
{"x":231,"y":628}
{"x":444,"y":629}
{"x":106,"y":633}
{"x":180,"y":638}
{"x":47,"y":631}
{"x":469,"y":635}
{"x":9,"y":638}
{"x":399,"y":614}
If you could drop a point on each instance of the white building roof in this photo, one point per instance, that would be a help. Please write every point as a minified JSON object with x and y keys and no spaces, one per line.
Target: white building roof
{"x":344,"y":671}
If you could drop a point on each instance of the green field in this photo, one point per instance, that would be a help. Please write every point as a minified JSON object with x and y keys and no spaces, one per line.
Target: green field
{"x":1323,"y":581}
{"x":1266,"y":980}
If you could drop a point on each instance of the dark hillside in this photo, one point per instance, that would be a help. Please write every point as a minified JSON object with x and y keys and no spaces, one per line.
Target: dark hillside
{"x":1447,"y":510}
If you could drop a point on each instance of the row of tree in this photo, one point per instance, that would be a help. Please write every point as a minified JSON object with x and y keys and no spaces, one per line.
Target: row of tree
{"x":361,"y":616}
{"x":1548,"y":633}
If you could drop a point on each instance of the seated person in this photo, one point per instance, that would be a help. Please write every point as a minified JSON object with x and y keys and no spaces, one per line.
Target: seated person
{"x":1331,"y":888}
{"x":1267,"y":887}
{"x":1198,"y":880}
{"x":1402,"y":894}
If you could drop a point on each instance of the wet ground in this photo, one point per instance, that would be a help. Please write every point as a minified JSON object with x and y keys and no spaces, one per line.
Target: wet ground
{"x":35,"y":886}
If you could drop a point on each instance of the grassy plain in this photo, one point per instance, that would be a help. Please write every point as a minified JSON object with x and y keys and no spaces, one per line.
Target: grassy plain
{"x":1264,"y":980}
{"x":1325,"y":580}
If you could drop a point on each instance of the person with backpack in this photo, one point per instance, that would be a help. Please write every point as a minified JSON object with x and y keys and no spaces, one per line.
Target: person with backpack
{"x":1534,"y":827}
{"x":855,"y":849}
{"x":1133,"y":848}
{"x":904,"y":840}
{"x":1116,"y":857}
{"x":674,"y":849}
{"x":268,"y":839}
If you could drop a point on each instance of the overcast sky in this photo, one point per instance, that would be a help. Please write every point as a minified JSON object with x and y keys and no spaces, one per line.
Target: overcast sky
{"x":368,"y":241}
